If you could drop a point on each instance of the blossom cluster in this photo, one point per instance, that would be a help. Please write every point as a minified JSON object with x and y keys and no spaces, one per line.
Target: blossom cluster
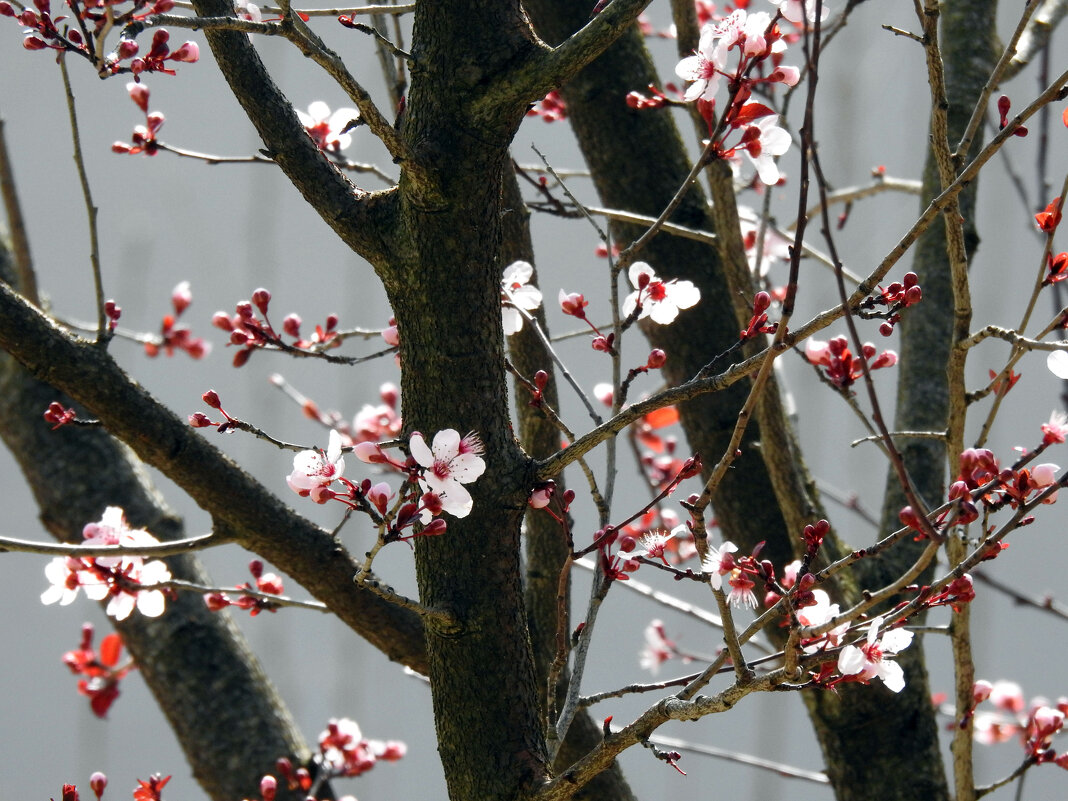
{"x":44,"y":31}
{"x":1034,"y":723}
{"x":251,"y":332}
{"x":517,"y":293}
{"x":174,"y":336}
{"x":655,"y":298}
{"x":125,"y":580}
{"x":550,"y":108}
{"x":143,"y":139}
{"x":759,"y":44}
{"x":437,"y":472}
{"x":100,"y":672}
{"x":841,"y":367}
{"x":343,"y":750}
{"x":889,"y":302}
{"x":329,"y":129}
{"x":266,"y":583}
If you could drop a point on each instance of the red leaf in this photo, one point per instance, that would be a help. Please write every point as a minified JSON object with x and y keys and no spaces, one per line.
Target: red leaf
{"x":662,"y":417}
{"x":1065,"y":117}
{"x":110,"y":648}
{"x":750,"y":112}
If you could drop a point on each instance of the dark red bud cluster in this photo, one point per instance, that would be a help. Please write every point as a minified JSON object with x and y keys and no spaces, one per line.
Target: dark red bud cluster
{"x":299,"y":779}
{"x":895,"y":297}
{"x":1004,"y":104}
{"x":814,"y":535}
{"x":550,"y":108}
{"x":97,"y":782}
{"x":657,"y":359}
{"x":603,"y":343}
{"x":113,"y":312}
{"x":758,"y":323}
{"x":58,"y":415}
{"x":1058,"y":268}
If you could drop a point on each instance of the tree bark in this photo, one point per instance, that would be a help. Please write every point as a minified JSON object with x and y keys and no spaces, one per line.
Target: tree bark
{"x":747,"y":506}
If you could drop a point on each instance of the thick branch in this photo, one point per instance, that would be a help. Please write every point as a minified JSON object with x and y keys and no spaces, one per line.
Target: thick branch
{"x":353,"y":214}
{"x":243,"y":509}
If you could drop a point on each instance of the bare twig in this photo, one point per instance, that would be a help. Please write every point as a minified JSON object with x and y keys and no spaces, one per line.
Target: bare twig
{"x":20,"y":243}
{"x":102,"y":332}
{"x":199,"y":543}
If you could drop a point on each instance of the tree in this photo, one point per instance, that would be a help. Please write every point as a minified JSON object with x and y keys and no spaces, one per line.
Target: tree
{"x":438,"y":241}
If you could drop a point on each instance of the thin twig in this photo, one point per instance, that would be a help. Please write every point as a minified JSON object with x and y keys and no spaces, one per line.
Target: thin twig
{"x":1046,"y":603}
{"x":268,"y":598}
{"x":102,"y":332}
{"x":198,"y":543}
{"x":16,"y":224}
{"x":790,"y":772}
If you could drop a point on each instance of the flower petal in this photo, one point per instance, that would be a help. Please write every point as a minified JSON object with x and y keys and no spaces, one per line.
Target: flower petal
{"x":420,"y":452}
{"x":446,"y":444}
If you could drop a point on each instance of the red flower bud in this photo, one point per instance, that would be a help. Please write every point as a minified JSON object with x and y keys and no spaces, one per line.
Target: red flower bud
{"x":127,"y":48}
{"x":261,"y":297}
{"x":291,"y":325}
{"x":97,"y":782}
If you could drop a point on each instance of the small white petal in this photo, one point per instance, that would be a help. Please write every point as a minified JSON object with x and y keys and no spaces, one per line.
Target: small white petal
{"x":318,"y":111}
{"x":1057,"y":362}
{"x":892,"y":675}
{"x":420,"y":452}
{"x":446,"y":444}
{"x":850,"y":660}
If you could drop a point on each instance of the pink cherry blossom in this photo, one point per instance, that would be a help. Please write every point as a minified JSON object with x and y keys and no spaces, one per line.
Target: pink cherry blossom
{"x":1008,"y":696}
{"x":517,"y":293}
{"x":719,"y":562}
{"x":869,"y":661}
{"x":776,"y":247}
{"x":605,"y":393}
{"x":149,"y":603}
{"x":450,"y":463}
{"x":652,"y":544}
{"x":379,"y":496}
{"x":741,"y":595}
{"x":1044,"y":475}
{"x":658,"y":648}
{"x":573,"y":303}
{"x":796,"y":11}
{"x":703,"y":67}
{"x":751,"y":28}
{"x":110,"y":576}
{"x":66,"y":576}
{"x":1057,"y":362}
{"x":315,"y":470}
{"x":248,"y":11}
{"x":823,"y":611}
{"x":762,"y":142}
{"x":785,"y":74}
{"x":327,"y":129}
{"x":1056,"y":430}
{"x":661,"y":300}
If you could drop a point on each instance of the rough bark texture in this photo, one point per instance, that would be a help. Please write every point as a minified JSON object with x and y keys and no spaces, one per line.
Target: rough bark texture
{"x":611,"y":134}
{"x":969,"y":53}
{"x":545,"y":544}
